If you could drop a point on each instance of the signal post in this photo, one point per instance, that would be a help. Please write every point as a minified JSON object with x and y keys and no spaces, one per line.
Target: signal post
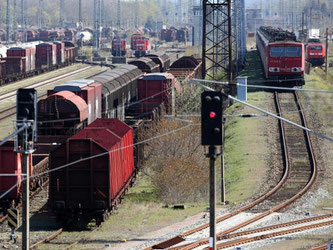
{"x":211,"y":135}
{"x":26,"y":117}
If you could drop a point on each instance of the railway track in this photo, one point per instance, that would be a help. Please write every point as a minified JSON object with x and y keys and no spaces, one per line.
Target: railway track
{"x":8,"y":112}
{"x":299,"y":174}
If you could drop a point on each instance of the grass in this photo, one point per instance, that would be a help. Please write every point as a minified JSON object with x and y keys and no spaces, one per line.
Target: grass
{"x":39,"y":78}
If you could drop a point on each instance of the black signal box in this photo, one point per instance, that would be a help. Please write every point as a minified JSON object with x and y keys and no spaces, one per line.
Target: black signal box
{"x":211,"y":118}
{"x":26,"y":110}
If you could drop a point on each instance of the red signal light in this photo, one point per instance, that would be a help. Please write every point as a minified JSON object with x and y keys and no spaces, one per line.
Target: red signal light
{"x":212,"y":115}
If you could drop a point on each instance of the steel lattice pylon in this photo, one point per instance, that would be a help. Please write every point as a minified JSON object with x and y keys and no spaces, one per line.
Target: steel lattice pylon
{"x":223,"y":42}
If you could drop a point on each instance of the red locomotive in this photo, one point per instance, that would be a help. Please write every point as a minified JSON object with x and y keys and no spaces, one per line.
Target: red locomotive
{"x":118,"y":47}
{"x":141,"y":47}
{"x":315,"y":54}
{"x":134,"y":39}
{"x":282,"y":56}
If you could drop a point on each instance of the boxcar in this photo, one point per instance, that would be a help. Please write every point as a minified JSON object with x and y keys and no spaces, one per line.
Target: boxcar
{"x":156,"y":89}
{"x":46,"y":55}
{"x":92,"y":187}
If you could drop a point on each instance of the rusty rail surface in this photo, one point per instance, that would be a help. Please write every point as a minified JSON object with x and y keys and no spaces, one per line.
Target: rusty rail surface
{"x":48,"y":239}
{"x":8,"y":112}
{"x":181,"y":238}
{"x":271,"y":235}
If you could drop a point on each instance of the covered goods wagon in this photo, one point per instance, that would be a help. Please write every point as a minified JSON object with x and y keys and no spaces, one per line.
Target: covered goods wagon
{"x":92,"y":187}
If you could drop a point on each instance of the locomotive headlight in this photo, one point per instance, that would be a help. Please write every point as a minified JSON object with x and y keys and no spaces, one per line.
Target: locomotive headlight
{"x":273,"y":69}
{"x":296,"y":69}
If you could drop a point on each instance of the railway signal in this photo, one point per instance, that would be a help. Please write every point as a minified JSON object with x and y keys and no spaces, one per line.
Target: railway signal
{"x":26,"y":110}
{"x":211,"y":118}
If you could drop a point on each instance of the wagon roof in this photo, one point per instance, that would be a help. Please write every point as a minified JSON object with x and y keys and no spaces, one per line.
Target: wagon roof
{"x":157,"y":76}
{"x":75,"y":85}
{"x":75,"y":99}
{"x":115,"y":125}
{"x":102,"y":136}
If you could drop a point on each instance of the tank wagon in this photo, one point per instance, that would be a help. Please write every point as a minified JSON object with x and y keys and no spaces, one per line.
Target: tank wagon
{"x":282,"y":56}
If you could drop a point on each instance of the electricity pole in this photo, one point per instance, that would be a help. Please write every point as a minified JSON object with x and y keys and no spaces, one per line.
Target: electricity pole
{"x":326,"y":56}
{"x":8,"y":21}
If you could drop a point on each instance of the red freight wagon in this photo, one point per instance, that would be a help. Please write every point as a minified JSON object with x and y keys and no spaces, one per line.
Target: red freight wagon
{"x":155,"y":89}
{"x":89,"y":91}
{"x":28,"y":64}
{"x":92,"y":187}
{"x":46,"y":55}
{"x":60,"y":52}
{"x":2,"y":71}
{"x":67,"y":111}
{"x":11,"y":163}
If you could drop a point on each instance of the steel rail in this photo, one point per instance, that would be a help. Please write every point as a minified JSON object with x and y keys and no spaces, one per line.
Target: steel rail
{"x":180,"y":238}
{"x":275,"y":234}
{"x":47,"y":239}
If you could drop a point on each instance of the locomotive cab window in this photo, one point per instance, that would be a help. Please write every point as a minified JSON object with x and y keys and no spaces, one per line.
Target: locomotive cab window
{"x":277,"y":51}
{"x":316,"y":48}
{"x":285,"y":51}
{"x":293,"y":51}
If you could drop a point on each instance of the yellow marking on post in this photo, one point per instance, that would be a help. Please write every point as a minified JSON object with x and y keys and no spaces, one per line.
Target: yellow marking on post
{"x":12,"y":213}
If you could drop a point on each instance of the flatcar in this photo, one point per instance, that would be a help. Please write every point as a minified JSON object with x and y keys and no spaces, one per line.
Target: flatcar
{"x":282,"y":56}
{"x":315,"y":54}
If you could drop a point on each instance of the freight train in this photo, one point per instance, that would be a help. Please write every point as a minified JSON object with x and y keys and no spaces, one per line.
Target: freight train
{"x":282,"y":56}
{"x":83,"y":118}
{"x":34,"y":58}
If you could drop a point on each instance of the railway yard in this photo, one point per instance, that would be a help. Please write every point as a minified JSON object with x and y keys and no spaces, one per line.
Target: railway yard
{"x":115,"y":118}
